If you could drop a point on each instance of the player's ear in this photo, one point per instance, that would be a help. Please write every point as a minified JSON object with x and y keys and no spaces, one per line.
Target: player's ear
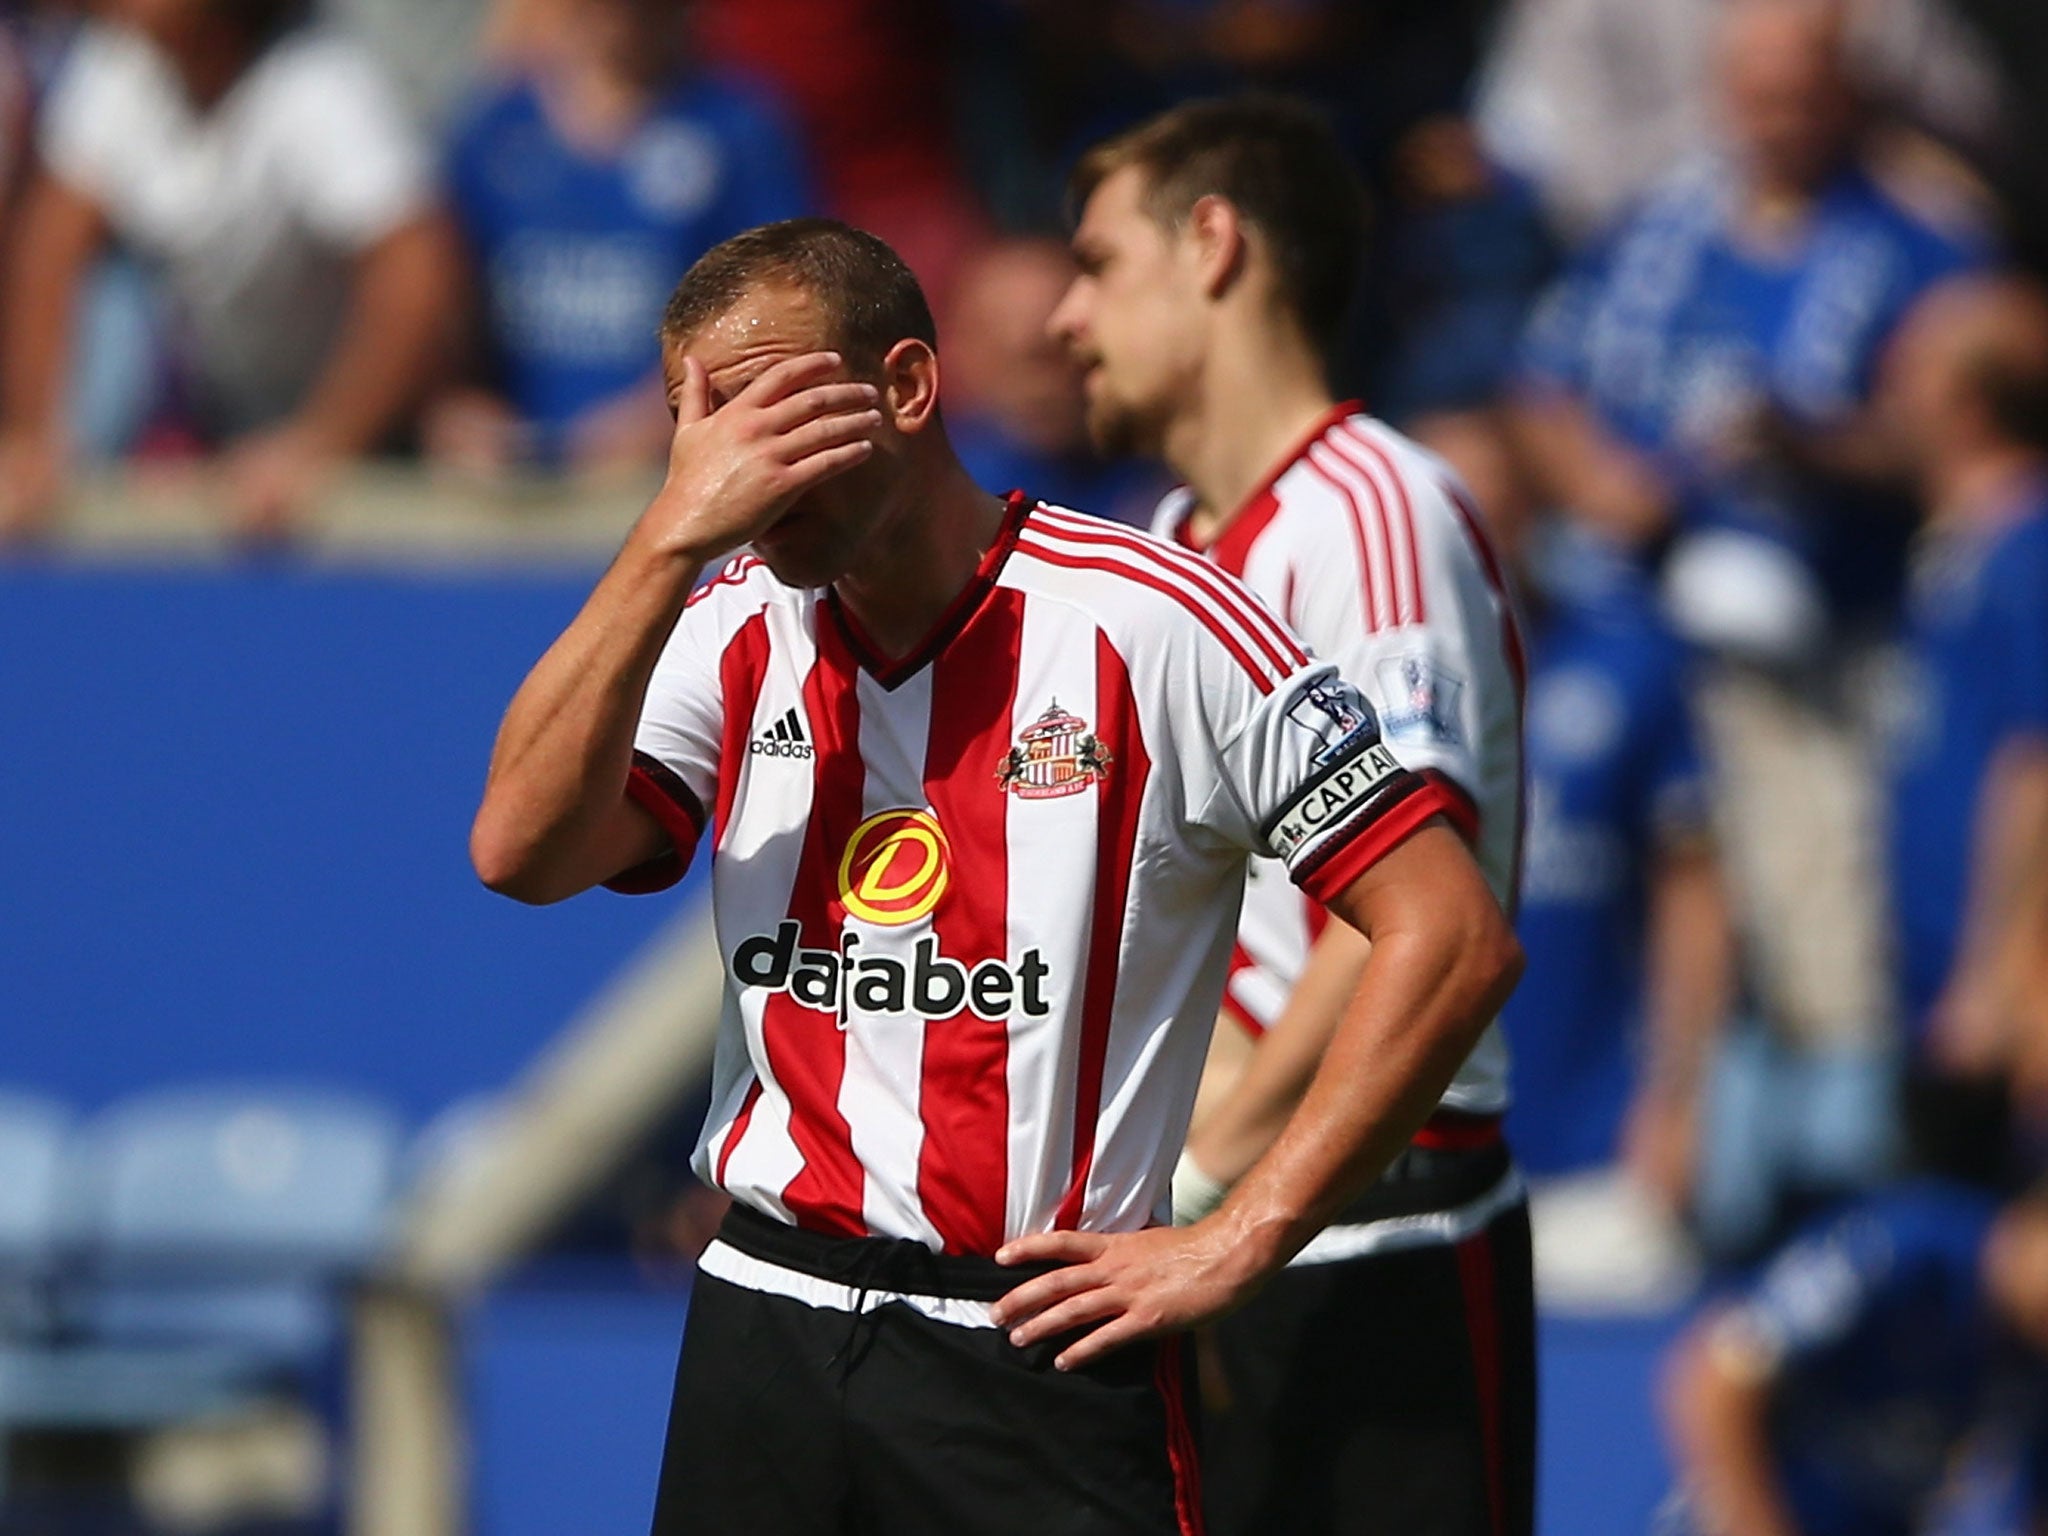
{"x":1216,"y":232}
{"x":910,"y":385}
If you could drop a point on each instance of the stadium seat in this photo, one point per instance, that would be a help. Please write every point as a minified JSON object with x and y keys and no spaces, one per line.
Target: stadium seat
{"x":209,"y":1234}
{"x":32,"y":1132}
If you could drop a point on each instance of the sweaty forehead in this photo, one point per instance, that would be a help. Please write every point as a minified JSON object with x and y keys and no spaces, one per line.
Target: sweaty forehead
{"x":765,"y":325}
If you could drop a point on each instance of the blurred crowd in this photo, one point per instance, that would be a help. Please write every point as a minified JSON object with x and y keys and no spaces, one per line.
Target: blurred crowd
{"x":1721,"y":308}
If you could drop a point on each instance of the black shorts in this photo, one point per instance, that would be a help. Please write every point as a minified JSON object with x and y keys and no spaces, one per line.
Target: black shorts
{"x":1392,"y":1393}
{"x":799,"y":1419}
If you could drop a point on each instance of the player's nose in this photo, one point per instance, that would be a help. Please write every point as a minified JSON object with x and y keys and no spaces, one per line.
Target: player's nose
{"x":1066,"y":322}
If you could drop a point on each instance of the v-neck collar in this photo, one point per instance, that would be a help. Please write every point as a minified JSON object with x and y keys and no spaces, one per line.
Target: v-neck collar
{"x":892,"y":674}
{"x":1245,"y":525}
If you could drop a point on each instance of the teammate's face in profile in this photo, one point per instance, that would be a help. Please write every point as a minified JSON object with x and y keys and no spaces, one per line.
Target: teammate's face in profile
{"x":823,"y":534}
{"x":1132,"y":318}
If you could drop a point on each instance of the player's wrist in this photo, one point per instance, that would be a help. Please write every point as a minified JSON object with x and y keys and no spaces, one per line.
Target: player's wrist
{"x":664,"y":541}
{"x":1196,"y":1192}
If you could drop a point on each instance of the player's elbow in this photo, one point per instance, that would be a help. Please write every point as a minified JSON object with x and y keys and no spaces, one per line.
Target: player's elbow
{"x":509,"y":863}
{"x":1498,"y":958}
{"x":1484,"y":959}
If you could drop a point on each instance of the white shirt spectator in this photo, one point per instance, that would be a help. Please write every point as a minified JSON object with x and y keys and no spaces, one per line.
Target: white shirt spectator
{"x":254,"y":206}
{"x":1595,"y":100}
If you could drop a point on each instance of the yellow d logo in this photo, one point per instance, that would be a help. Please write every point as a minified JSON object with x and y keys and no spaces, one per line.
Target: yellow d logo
{"x":895,"y":867}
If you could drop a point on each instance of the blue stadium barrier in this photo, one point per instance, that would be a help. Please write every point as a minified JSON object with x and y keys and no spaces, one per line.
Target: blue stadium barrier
{"x":234,"y":810}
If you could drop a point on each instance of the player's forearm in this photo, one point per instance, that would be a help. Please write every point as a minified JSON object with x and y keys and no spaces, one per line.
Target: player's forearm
{"x":1691,"y":968}
{"x":397,"y":325}
{"x":2009,"y":886}
{"x":1426,"y":995}
{"x":565,"y":749}
{"x":1580,"y":465}
{"x":1247,"y":1120}
{"x":60,"y":232}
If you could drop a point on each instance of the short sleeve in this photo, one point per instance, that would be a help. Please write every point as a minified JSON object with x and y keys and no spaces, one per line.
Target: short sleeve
{"x":676,"y":748}
{"x":1676,"y":781}
{"x":87,"y":134}
{"x":2021,"y":603}
{"x":1553,"y":345}
{"x":1816,"y":1293}
{"x":1311,"y":783}
{"x":359,"y":167}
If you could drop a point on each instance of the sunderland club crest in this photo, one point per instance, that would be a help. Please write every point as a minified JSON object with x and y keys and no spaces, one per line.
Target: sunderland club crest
{"x":1057,"y":754}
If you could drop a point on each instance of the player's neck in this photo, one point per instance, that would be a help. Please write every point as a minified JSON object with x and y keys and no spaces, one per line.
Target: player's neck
{"x":1981,"y":486}
{"x":1255,"y":408}
{"x":921,"y":560}
{"x":594,"y":107}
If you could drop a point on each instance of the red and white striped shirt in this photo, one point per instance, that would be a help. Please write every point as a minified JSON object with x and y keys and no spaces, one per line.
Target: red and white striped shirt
{"x":976,"y":905}
{"x":1366,"y":544}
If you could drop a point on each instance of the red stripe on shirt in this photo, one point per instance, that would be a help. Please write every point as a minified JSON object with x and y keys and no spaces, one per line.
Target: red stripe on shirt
{"x":1518,"y":663}
{"x":964,"y":1095}
{"x":1234,"y":545}
{"x":1343,"y":450}
{"x":1510,"y":630}
{"x":805,"y":1047}
{"x":1181,"y":1452}
{"x":1351,"y":438}
{"x":731,"y":574}
{"x":741,"y":670}
{"x":1230,"y":596}
{"x":1377,"y":609}
{"x":1462,"y":811}
{"x":736,"y":1130}
{"x":1119,"y":798}
{"x":1260,"y":675}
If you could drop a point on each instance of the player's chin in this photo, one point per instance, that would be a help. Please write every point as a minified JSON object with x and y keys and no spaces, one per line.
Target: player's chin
{"x":1116,"y":431}
{"x":801,"y":552}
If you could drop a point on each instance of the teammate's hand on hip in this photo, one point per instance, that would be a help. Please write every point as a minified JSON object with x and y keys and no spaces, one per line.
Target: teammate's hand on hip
{"x":733,"y":470}
{"x":1128,"y":1285}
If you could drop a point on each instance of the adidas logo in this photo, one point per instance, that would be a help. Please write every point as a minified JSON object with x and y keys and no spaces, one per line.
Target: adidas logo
{"x":785,"y":738}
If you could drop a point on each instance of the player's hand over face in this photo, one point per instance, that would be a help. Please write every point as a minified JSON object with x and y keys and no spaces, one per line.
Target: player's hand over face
{"x":733,"y":471}
{"x":1124,"y":1286}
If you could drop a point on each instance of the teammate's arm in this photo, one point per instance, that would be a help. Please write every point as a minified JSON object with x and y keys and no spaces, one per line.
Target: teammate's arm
{"x":1443,"y":960}
{"x":1717,"y":1394}
{"x":1244,"y":1121}
{"x":555,"y":819}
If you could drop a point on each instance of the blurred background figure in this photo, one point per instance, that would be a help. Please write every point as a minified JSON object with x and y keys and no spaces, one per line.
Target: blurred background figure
{"x":1968,"y":395}
{"x":1013,"y":396}
{"x":582,"y":184}
{"x":1624,"y":921}
{"x":1596,"y":100}
{"x":1837,"y":1395}
{"x":1699,"y":390}
{"x":1465,"y":254}
{"x":869,"y":82}
{"x":264,"y":166}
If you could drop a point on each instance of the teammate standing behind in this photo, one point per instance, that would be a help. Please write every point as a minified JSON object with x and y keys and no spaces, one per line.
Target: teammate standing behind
{"x":984,"y":776}
{"x":1387,"y":1381}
